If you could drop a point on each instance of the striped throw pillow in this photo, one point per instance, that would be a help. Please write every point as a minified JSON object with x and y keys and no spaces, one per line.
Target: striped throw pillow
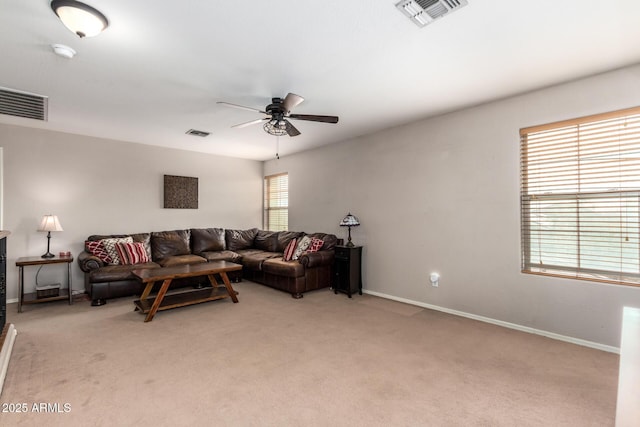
{"x":132,"y":253}
{"x":290,"y":250}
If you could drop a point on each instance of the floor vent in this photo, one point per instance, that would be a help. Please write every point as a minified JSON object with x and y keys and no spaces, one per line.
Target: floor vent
{"x":199,"y":133}
{"x":23,"y":104}
{"x":423,"y":12}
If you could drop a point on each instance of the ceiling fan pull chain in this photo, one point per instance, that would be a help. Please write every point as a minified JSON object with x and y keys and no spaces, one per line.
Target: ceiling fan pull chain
{"x":277,"y":147}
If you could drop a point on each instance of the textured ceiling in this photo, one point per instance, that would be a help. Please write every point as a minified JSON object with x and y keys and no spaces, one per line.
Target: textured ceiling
{"x":161,"y":66}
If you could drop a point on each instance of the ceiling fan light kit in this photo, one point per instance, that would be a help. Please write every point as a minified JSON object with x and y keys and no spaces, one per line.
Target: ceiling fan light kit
{"x":278,"y":112}
{"x":275,"y":127}
{"x":82,"y":19}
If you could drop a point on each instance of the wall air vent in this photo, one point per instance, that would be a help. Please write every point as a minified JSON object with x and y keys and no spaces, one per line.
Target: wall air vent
{"x":423,"y":12}
{"x":200,"y":133}
{"x":23,"y":104}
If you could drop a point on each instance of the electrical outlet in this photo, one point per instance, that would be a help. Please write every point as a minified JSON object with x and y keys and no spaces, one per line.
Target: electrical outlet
{"x":434,"y":278}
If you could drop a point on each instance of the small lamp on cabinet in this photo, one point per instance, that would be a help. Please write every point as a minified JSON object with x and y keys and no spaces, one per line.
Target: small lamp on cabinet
{"x":49,"y":223}
{"x":349,"y":221}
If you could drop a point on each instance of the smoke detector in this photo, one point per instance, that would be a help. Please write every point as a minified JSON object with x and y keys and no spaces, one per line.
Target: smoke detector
{"x":424,"y":12}
{"x":63,"y":50}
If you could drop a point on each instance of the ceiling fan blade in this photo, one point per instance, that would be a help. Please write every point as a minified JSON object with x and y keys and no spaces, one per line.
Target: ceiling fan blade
{"x":242,"y":107}
{"x":290,"y":101}
{"x":252,"y":122}
{"x":314,"y":118}
{"x":291,"y":129}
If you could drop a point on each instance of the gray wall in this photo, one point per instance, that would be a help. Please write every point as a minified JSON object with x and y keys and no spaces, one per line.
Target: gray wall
{"x":442,"y":195}
{"x":98,"y":186}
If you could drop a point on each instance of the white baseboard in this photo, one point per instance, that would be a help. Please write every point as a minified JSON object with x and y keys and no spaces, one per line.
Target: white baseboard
{"x":517,"y":327}
{"x":5,"y":353}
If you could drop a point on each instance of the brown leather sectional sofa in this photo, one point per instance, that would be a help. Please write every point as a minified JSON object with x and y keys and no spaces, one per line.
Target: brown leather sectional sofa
{"x":260,"y":252}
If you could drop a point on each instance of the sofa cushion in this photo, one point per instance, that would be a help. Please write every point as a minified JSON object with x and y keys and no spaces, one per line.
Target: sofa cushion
{"x":290,"y":250}
{"x":266,"y":240}
{"x":96,"y":248}
{"x":169,"y":243}
{"x":253,"y":259}
{"x":114,"y":273}
{"x":240,"y":239}
{"x":280,"y":267}
{"x":284,"y":237}
{"x":207,"y":239}
{"x":132,"y":253}
{"x":181,"y":260}
{"x":110,"y":247}
{"x":222,"y":256}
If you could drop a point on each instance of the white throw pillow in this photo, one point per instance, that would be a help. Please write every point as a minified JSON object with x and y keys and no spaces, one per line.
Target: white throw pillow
{"x":303,"y":245}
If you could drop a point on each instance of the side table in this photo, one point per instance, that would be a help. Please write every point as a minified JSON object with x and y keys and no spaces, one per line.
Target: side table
{"x":347,"y":265}
{"x":31,"y":298}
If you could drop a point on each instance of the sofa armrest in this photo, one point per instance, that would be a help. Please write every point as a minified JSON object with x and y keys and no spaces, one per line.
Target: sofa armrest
{"x":316,"y":259}
{"x":88,"y":262}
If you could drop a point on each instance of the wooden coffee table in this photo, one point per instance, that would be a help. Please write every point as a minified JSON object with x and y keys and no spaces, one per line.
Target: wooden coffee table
{"x":162,"y":301}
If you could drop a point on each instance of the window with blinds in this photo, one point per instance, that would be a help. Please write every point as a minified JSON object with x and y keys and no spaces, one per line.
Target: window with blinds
{"x":580,"y":198}
{"x":276,"y":202}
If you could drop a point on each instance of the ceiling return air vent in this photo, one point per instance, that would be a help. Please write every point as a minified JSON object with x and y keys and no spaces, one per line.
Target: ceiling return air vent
{"x":199,"y":133}
{"x":23,"y":104}
{"x":423,"y":12}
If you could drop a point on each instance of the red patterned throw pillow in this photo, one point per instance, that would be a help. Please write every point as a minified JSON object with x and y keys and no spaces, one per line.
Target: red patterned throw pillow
{"x":290,"y":250}
{"x":96,"y":248}
{"x":316,"y":245}
{"x":132,"y":253}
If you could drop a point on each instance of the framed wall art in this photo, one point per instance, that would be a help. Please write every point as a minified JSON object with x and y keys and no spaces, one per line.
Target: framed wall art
{"x":180,"y":192}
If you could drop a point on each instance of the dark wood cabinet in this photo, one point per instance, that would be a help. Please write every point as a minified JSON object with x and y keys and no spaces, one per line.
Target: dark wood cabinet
{"x":347,"y":266}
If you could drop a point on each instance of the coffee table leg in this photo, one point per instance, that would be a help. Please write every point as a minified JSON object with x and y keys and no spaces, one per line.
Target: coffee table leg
{"x":158,"y":300}
{"x":227,"y":284}
{"x":145,"y":293}
{"x":214,"y":282}
{"x":147,"y":290}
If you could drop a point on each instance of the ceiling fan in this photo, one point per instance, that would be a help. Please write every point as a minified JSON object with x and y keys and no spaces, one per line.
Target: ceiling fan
{"x":279,"y":112}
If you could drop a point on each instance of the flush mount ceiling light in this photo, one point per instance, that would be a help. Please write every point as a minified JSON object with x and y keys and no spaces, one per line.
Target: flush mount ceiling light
{"x":81,"y":19}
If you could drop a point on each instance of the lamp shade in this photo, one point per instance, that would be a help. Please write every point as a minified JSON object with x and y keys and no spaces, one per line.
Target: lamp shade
{"x":349,"y":221}
{"x":80,"y":18}
{"x":50,"y":223}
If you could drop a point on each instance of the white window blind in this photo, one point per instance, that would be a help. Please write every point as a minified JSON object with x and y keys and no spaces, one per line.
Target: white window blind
{"x":276,"y":202}
{"x":580,"y":198}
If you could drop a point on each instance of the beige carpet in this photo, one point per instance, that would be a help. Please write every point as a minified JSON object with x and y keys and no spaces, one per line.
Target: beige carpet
{"x":270,"y":360}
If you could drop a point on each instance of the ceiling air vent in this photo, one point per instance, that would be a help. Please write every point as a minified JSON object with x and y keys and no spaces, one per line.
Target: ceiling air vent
{"x":200,"y":133}
{"x":23,"y":104}
{"x":423,"y":12}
